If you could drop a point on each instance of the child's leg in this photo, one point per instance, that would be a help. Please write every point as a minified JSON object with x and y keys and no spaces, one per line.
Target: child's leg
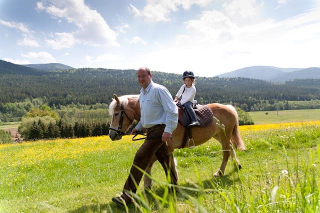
{"x":192,"y":114}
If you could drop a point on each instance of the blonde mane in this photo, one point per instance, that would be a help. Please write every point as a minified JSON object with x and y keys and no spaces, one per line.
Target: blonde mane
{"x":123,"y":100}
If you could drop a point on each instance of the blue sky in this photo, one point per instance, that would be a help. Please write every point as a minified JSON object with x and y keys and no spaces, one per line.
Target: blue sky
{"x":209,"y":37}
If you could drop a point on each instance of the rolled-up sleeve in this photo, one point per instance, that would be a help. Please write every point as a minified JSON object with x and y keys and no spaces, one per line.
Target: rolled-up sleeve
{"x":139,"y":126}
{"x":170,"y":109}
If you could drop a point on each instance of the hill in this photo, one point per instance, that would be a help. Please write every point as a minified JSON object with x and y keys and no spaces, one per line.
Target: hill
{"x":89,"y":86}
{"x":49,"y":67}
{"x":14,"y":69}
{"x":274,"y":74}
{"x":308,"y":73}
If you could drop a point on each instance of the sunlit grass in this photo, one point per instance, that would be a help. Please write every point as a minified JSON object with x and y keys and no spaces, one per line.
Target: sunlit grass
{"x":280,"y":174}
{"x":30,"y":153}
{"x":263,"y":127}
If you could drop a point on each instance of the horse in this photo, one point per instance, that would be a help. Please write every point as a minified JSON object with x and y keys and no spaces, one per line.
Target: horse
{"x":125,"y":110}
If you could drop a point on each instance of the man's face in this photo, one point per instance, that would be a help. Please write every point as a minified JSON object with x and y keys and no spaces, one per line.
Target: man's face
{"x":143,"y":78}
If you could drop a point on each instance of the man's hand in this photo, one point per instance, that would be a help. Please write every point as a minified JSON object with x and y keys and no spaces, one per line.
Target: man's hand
{"x":134,"y":131}
{"x":166,"y":136}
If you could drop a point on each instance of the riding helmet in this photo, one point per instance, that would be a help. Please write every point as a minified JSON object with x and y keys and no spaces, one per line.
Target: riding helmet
{"x":188,"y":74}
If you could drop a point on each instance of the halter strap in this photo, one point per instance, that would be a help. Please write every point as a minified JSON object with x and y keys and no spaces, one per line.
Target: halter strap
{"x":122,"y":114}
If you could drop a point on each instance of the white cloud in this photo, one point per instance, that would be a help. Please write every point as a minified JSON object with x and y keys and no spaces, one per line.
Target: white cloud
{"x":215,"y":44}
{"x":137,"y":40}
{"x":26,"y":41}
{"x":213,"y":27}
{"x":159,"y":11}
{"x":92,"y":28}
{"x":101,"y":58}
{"x":17,"y":61}
{"x":62,"y":41}
{"x":282,"y":1}
{"x":122,"y":28}
{"x":40,"y":57}
{"x":242,"y":8}
{"x":18,"y":26}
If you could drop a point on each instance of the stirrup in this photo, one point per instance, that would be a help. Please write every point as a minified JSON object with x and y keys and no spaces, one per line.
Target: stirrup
{"x":191,"y":147}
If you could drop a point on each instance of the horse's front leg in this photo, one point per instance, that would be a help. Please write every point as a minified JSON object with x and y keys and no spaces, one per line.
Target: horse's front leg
{"x":147,"y":180}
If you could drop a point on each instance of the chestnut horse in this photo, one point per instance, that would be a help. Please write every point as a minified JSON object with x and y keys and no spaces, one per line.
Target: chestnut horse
{"x":225,"y":128}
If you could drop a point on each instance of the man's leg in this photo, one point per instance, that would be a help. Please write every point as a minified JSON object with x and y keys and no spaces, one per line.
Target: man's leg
{"x":167,"y":162}
{"x":142,"y":159}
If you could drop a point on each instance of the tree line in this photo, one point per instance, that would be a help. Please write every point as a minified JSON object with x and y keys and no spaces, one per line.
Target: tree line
{"x":88,"y":86}
{"x":46,"y":128}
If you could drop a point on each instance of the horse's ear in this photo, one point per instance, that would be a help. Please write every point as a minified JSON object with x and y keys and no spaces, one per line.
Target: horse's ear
{"x":116,"y":98}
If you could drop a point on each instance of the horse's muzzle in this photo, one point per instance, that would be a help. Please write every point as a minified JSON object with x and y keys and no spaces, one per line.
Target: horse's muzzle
{"x":114,"y":136}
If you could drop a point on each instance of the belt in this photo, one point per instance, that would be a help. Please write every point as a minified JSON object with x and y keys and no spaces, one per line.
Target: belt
{"x":156,"y":126}
{"x":148,"y":137}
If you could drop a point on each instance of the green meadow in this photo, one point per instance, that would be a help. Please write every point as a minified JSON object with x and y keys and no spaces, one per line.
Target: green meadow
{"x":282,"y":116}
{"x":280,"y":174}
{"x":11,"y":125}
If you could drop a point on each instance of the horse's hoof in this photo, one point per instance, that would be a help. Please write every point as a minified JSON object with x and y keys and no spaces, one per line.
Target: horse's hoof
{"x":218,"y":174}
{"x":239,"y":167}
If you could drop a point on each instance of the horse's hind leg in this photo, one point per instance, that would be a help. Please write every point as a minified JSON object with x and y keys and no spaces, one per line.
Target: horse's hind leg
{"x":234,"y":157}
{"x":226,"y":151}
{"x":146,"y":178}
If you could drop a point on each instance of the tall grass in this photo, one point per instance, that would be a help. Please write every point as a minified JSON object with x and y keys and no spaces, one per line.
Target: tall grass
{"x":5,"y":137}
{"x":280,"y":174}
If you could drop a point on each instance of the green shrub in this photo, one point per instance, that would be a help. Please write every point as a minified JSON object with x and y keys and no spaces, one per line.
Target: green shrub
{"x":39,"y":128}
{"x":244,"y":117}
{"x":5,"y":137}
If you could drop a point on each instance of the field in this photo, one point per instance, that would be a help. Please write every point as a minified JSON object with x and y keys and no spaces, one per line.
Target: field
{"x":282,"y":116}
{"x":280,"y":174}
{"x":12,"y":125}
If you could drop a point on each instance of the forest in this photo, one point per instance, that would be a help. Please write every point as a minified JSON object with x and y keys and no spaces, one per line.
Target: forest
{"x":74,"y":102}
{"x":23,"y":88}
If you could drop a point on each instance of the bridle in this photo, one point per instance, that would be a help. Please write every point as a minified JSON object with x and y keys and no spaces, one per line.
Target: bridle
{"x":122,"y":114}
{"x":119,"y":132}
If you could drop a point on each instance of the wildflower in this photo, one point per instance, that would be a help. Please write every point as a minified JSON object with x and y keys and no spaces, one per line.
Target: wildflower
{"x":284,"y":172}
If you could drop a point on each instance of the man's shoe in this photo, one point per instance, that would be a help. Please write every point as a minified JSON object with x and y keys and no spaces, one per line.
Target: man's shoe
{"x":196,"y":123}
{"x":120,"y":201}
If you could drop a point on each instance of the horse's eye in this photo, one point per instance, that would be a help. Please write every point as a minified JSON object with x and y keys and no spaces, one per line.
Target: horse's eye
{"x":116,"y":114}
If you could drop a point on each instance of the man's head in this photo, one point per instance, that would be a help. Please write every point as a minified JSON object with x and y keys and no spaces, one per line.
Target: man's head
{"x":144,"y":76}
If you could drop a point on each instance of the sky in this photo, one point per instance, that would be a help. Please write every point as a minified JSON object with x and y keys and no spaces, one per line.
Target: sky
{"x":208,"y":37}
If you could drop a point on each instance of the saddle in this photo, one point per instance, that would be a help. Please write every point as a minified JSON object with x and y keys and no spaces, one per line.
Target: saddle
{"x":203,"y":113}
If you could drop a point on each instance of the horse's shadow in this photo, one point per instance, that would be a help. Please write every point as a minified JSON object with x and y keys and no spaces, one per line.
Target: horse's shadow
{"x":183,"y":193}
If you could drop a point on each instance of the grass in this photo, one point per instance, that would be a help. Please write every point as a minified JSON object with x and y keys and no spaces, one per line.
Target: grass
{"x":280,"y":174}
{"x":283,"y":116}
{"x":10,"y":125}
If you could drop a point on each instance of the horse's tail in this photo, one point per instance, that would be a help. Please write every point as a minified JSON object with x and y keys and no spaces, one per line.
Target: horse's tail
{"x":236,"y":137}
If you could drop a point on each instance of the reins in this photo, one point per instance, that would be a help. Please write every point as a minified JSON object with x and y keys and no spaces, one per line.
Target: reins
{"x":145,"y":137}
{"x":137,"y":139}
{"x":119,"y":132}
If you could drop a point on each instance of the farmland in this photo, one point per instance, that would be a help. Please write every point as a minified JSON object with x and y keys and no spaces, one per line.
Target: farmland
{"x":282,"y":116}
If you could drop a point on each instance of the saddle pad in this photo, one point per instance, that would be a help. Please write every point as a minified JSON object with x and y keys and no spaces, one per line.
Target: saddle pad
{"x":204,"y":115}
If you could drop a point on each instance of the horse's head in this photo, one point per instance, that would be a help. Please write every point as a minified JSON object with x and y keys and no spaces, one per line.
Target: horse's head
{"x":123,"y":113}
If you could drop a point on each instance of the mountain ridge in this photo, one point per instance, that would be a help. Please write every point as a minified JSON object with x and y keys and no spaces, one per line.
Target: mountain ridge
{"x":266,"y":73}
{"x":97,"y":85}
{"x":49,"y":66}
{"x":274,"y":74}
